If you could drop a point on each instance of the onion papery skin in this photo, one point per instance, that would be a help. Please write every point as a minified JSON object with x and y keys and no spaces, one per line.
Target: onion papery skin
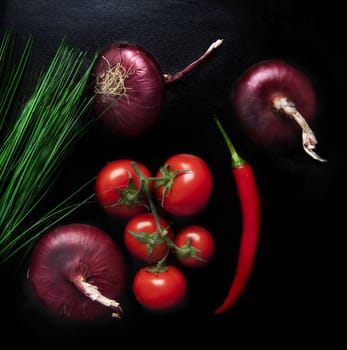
{"x":253,"y":97}
{"x":137,"y":111}
{"x":70,"y":251}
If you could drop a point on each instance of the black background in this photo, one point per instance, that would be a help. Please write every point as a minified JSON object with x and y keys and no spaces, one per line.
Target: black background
{"x":294,"y":289}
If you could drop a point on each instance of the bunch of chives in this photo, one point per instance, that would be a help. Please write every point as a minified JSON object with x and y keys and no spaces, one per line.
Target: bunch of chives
{"x":33,"y":149}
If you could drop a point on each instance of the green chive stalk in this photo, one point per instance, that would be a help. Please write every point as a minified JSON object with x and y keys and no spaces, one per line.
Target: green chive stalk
{"x":33,"y":150}
{"x":11,"y":73}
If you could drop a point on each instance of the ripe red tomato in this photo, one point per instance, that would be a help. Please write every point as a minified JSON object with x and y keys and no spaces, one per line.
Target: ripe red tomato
{"x":190,"y":190}
{"x":202,"y":243}
{"x":112,"y":182}
{"x":147,"y":245}
{"x":162,"y":290}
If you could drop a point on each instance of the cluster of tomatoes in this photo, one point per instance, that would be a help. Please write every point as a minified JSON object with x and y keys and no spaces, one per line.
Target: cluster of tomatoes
{"x":181,"y":187}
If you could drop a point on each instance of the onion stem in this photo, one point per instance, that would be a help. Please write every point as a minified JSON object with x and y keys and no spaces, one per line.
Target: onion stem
{"x":92,"y":292}
{"x":309,"y":141}
{"x":171,"y":78}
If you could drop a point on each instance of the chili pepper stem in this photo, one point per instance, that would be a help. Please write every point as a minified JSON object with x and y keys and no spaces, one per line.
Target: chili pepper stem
{"x":236,"y":159}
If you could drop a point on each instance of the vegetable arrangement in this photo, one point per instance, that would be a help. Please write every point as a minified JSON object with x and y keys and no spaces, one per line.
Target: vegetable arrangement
{"x":77,"y":270}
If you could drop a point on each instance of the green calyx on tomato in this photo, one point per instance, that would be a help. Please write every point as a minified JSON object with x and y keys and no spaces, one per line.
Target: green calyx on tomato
{"x":202,"y":243}
{"x":188,"y":250}
{"x":121,"y":190}
{"x":166,"y":179}
{"x":130,"y":195}
{"x":151,"y":240}
{"x":147,"y":237}
{"x":188,"y":193}
{"x":160,"y":266}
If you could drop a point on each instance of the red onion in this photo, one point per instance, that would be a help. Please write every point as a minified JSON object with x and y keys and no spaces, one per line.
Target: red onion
{"x":274,"y":101}
{"x":77,"y":271}
{"x":129,"y":87}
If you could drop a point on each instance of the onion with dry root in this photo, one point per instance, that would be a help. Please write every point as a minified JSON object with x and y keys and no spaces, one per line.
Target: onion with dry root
{"x":77,"y":271}
{"x":128,"y":86}
{"x":274,"y":102}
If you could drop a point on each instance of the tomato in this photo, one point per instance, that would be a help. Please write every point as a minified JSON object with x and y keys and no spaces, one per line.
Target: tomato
{"x":161,"y":290}
{"x":115,"y":190}
{"x":191,"y":187}
{"x":145,"y":241}
{"x":198,"y":244}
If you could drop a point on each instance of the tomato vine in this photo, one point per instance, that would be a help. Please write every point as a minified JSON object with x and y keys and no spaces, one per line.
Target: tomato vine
{"x":127,"y":189}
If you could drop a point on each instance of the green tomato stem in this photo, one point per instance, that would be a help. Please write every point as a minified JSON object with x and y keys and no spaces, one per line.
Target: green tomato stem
{"x":144,"y":189}
{"x":186,"y":250}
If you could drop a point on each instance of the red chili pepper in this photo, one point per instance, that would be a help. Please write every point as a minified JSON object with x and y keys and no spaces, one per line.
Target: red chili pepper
{"x":250,"y":207}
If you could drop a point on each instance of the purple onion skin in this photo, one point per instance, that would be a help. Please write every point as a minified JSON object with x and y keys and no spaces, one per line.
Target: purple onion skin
{"x":252,"y":100}
{"x":136,"y":112}
{"x":68,"y":252}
